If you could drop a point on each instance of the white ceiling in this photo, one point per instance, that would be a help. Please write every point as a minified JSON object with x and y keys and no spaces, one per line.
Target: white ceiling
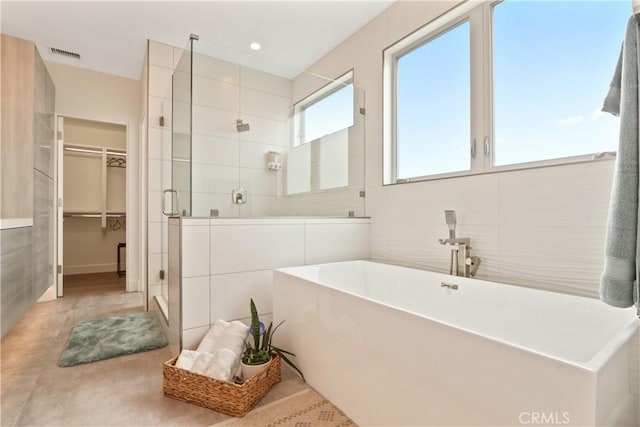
{"x":110,"y":36}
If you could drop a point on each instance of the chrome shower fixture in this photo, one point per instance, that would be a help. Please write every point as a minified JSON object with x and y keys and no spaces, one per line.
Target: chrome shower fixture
{"x":450,"y":218}
{"x":242,"y":127}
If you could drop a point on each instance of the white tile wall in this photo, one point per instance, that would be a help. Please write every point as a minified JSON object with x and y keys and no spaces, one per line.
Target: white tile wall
{"x":160,"y":81}
{"x":215,"y":151}
{"x":195,"y":301}
{"x":267,"y":105}
{"x":195,"y":251}
{"x":267,"y":131}
{"x":217,"y":94}
{"x":160,"y":54}
{"x":265,"y":82}
{"x":255,"y":247}
{"x":192,"y":337}
{"x":336,"y":242}
{"x":263,"y":182}
{"x":213,"y":68}
{"x":241,"y":255}
{"x":229,"y":293}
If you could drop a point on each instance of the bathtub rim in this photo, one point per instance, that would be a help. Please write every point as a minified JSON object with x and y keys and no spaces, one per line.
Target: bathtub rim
{"x":593,"y":365}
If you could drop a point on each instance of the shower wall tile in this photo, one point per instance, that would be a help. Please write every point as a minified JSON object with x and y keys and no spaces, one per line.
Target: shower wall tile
{"x":254,"y":154}
{"x":154,"y":237}
{"x":265,"y":82}
{"x":266,"y":206}
{"x":159,"y":107}
{"x":154,"y":267}
{"x":263,"y":182}
{"x":214,"y":122}
{"x":154,"y":206}
{"x":213,"y":179}
{"x":160,"y":81}
{"x":160,"y":54}
{"x":155,"y":146}
{"x":267,"y":131}
{"x":265,"y":105}
{"x":213,"y":150}
{"x":155,"y":175}
{"x":216,"y":69}
{"x":217,"y":94}
{"x":204,"y":202}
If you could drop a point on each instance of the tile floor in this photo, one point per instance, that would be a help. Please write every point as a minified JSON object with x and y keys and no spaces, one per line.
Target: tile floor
{"x":125,"y":391}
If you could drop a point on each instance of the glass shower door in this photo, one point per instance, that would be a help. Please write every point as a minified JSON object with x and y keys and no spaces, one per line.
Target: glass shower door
{"x":181,"y":134}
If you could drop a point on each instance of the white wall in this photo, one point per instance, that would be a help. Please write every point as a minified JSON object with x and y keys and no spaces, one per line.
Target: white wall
{"x":87,"y":94}
{"x":540,"y":227}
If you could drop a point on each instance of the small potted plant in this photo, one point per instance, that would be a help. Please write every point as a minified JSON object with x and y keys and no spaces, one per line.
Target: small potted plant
{"x":258,"y":354}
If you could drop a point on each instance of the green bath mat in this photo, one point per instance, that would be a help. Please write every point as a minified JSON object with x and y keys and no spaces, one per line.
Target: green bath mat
{"x":112,"y":337}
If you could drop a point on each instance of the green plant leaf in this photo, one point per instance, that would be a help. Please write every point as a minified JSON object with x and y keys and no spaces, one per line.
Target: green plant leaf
{"x":274,"y":332}
{"x":266,"y":339}
{"x":255,"y":325}
{"x":289,"y":362}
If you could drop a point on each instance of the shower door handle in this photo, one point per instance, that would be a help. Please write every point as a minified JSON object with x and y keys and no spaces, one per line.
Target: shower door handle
{"x":164,"y":203}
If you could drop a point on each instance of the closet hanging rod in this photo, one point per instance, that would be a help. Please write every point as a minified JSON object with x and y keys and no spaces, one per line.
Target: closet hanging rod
{"x":93,"y":215}
{"x":79,"y":149}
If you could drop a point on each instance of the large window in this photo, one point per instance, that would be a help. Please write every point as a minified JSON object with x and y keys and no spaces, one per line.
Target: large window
{"x":432,"y":106}
{"x":501,"y":85}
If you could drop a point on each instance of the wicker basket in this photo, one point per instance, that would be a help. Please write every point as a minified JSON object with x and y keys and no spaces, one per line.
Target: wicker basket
{"x":228,"y":398}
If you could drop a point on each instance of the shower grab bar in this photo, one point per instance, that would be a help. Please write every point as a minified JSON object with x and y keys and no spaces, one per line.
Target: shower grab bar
{"x":164,"y":203}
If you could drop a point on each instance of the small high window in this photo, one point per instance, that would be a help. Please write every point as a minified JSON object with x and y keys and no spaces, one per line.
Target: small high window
{"x":325,"y":112}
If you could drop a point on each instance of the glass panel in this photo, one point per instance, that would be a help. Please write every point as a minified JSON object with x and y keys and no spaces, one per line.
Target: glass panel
{"x":329,"y":114}
{"x":181,"y":135}
{"x":433,"y":106}
{"x":331,"y":155}
{"x":551,"y":69}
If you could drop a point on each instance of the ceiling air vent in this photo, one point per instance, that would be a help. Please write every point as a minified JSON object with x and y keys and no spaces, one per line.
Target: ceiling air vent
{"x":66,"y":53}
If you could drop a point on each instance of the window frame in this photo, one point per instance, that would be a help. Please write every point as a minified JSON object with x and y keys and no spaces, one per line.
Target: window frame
{"x":482,"y":143}
{"x":318,"y":95}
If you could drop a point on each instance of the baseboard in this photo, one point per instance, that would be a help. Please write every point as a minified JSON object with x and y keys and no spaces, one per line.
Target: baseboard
{"x":49,"y":295}
{"x":90,"y":268}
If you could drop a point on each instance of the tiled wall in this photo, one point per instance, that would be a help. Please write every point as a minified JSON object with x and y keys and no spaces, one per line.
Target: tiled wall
{"x":225,"y":262}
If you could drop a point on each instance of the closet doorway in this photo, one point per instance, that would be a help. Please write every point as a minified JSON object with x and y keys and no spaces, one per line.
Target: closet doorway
{"x":93,"y":217}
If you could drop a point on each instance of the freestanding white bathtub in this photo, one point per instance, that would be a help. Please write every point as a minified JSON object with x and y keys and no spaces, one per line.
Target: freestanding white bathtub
{"x":390,"y":346}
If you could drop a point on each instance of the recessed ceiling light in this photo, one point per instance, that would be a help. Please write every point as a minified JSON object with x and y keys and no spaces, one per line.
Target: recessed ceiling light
{"x":255,"y":46}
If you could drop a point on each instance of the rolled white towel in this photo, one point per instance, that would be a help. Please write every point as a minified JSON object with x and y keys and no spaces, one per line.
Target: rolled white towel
{"x":222,"y":365}
{"x":208,"y":343}
{"x":202,"y":363}
{"x":233,"y":338}
{"x":186,"y":359}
